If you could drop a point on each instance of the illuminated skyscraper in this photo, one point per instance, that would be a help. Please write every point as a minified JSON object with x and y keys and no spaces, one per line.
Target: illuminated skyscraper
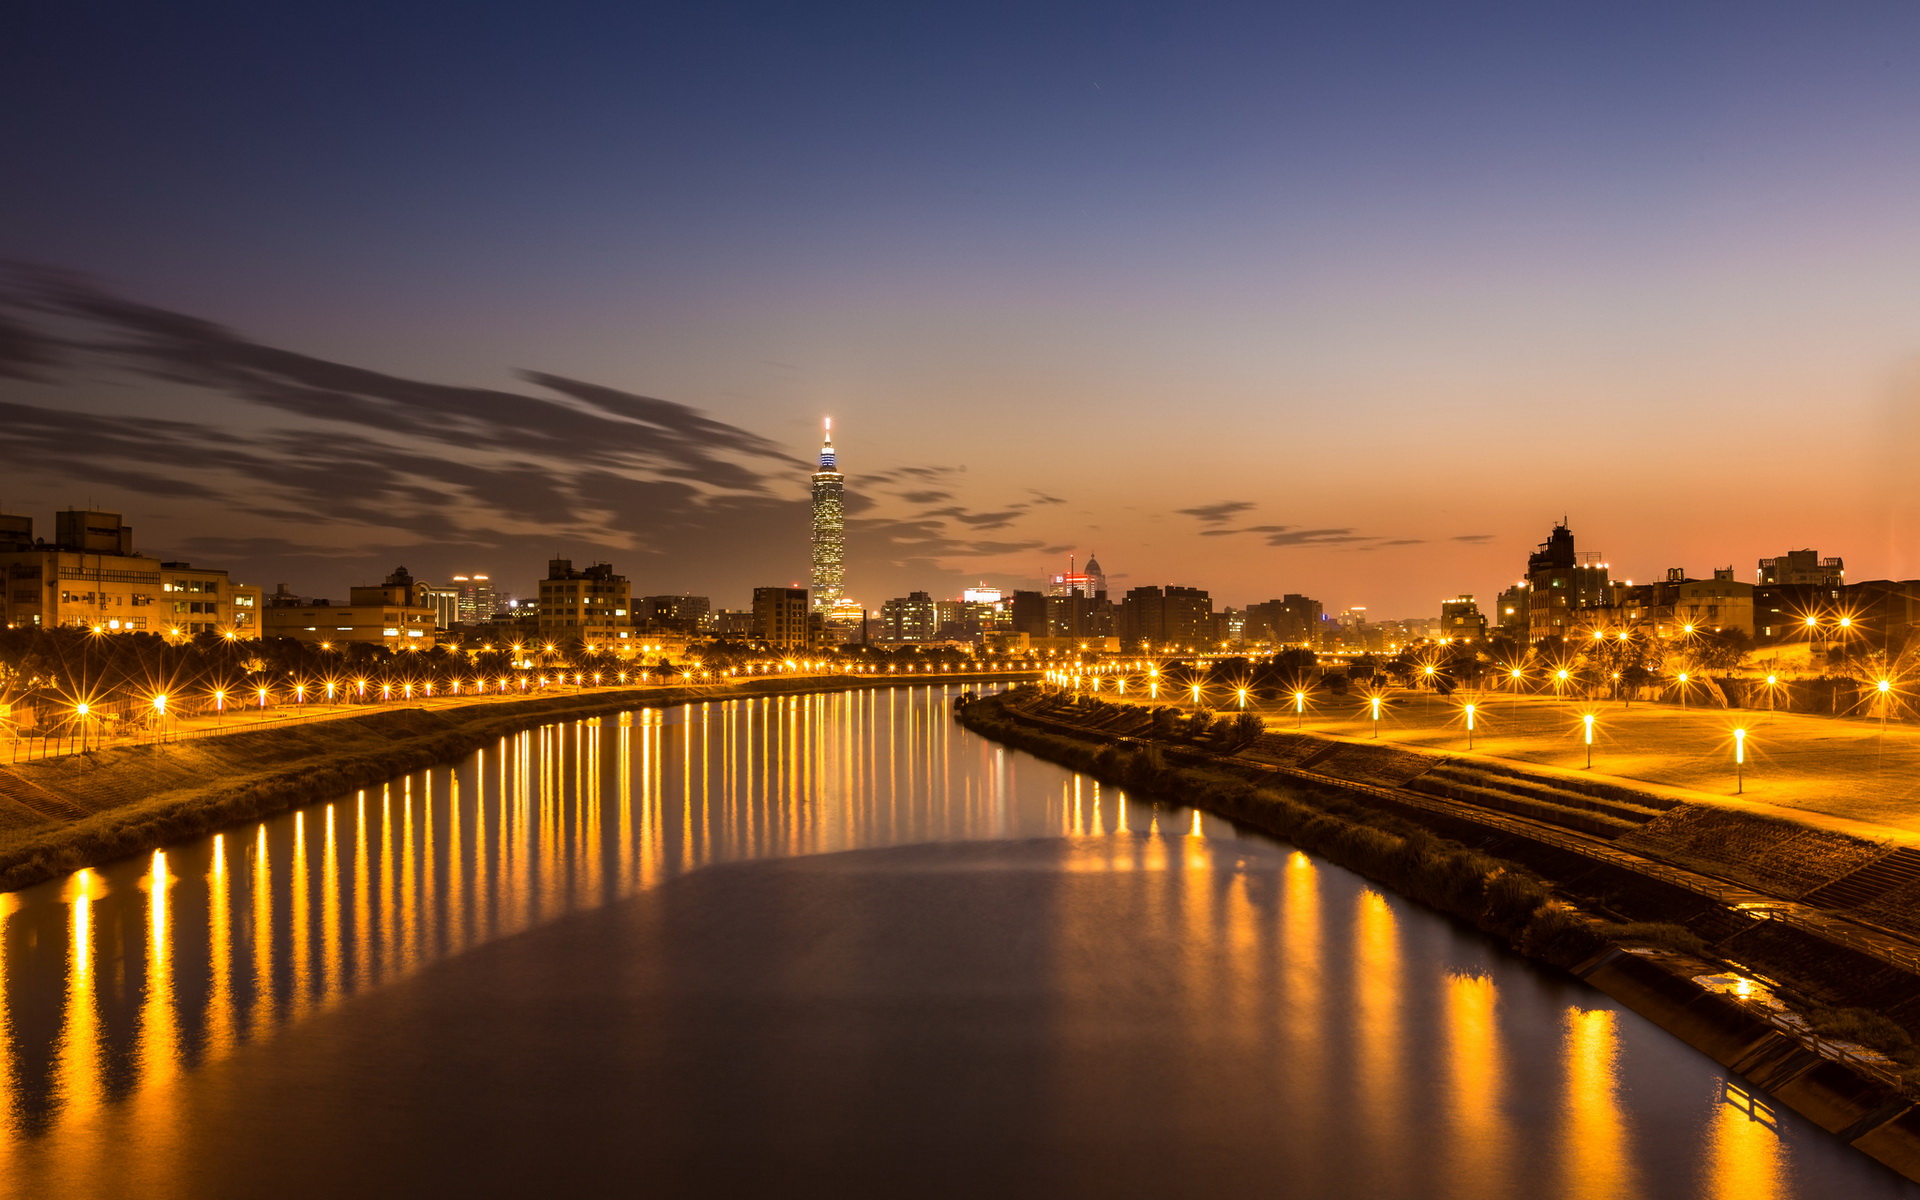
{"x":829,"y":528}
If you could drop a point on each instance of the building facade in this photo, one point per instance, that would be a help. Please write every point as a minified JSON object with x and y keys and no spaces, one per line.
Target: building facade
{"x":1462,"y":621}
{"x":829,"y":527}
{"x":782,"y":618}
{"x":1560,"y":586}
{"x":393,"y":613}
{"x":1291,"y":620}
{"x":90,"y":577}
{"x":914,"y":617}
{"x":592,"y":606}
{"x":1173,"y":619}
{"x":478,"y":599}
{"x":1803,"y":568}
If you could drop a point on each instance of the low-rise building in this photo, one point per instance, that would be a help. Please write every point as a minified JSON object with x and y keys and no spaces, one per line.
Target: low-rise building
{"x":90,"y":577}
{"x":1462,"y":621}
{"x":392,"y":613}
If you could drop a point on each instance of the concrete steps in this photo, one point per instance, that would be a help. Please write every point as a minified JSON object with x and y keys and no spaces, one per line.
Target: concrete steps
{"x":1595,"y":809}
{"x":1868,"y":883}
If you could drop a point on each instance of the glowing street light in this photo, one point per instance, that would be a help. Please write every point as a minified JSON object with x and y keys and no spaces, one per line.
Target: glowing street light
{"x":1299,"y":709}
{"x":1373,"y":702}
{"x":1243,"y":697}
{"x":1739,"y":762}
{"x":1470,"y":711}
{"x":1587,"y":720}
{"x":1885,"y":687}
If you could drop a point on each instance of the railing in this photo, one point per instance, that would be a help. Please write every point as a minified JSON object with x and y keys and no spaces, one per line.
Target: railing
{"x":1887,"y":947}
{"x":74,"y":738}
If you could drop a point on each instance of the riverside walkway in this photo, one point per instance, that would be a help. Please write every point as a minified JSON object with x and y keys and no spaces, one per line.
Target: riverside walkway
{"x":1851,"y":773}
{"x":245,"y":716}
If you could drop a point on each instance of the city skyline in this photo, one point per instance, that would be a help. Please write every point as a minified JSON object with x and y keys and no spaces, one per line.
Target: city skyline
{"x":1332,"y":302}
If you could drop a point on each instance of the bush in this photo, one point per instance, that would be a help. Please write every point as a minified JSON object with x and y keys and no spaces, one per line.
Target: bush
{"x":1677,"y":938}
{"x":1199,"y":723}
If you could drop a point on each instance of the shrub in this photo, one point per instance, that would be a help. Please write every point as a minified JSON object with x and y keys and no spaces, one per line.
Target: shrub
{"x":1199,"y":723}
{"x":1677,"y":938}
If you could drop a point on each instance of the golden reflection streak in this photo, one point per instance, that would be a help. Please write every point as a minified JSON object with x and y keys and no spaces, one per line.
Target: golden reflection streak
{"x":78,"y":1086}
{"x":1745,"y":1158}
{"x":156,"y":1131}
{"x":301,"y":949}
{"x":1377,"y":969}
{"x":362,"y":897}
{"x":159,"y":1037}
{"x":623,"y":783}
{"x":219,"y":1019}
{"x":262,"y":1016}
{"x":408,"y":907}
{"x":1302,"y":985}
{"x":332,"y":964}
{"x":431,"y":942}
{"x":1595,"y":1162}
{"x":9,"y":1105}
{"x":385,"y":903}
{"x":459,"y":920}
{"x":1480,"y":1140}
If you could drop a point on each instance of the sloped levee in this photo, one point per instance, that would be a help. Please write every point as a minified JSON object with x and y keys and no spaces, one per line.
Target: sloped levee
{"x":62,"y":814}
{"x":1545,"y":895}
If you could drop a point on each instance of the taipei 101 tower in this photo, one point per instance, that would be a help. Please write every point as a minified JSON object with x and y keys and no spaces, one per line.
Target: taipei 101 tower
{"x":829,"y":529}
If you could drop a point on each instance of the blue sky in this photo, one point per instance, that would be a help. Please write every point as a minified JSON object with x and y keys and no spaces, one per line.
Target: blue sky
{"x":1408,"y":281}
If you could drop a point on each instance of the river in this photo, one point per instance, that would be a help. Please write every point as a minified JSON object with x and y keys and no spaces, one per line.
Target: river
{"x":818,"y":944}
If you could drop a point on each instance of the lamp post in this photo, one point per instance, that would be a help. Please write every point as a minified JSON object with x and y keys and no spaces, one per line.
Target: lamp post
{"x":1299,"y":710}
{"x":1374,"y":703}
{"x":1886,"y":701}
{"x":1470,"y":709}
{"x":1739,"y":762}
{"x":1587,"y":721}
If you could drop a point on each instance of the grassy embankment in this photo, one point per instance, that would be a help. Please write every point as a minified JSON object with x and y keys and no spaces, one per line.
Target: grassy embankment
{"x":1544,"y":900}
{"x":59,"y":815}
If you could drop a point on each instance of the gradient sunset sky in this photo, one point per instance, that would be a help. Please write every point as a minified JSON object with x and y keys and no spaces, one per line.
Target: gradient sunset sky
{"x":1352,"y":300}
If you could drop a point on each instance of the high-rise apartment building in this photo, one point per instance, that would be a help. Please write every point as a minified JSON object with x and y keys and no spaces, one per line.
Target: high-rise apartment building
{"x":1291,"y":620}
{"x":1561,"y":584}
{"x":829,"y":528}
{"x":781,"y":618}
{"x":1173,"y":619}
{"x":591,"y":605}
{"x":477,"y":599}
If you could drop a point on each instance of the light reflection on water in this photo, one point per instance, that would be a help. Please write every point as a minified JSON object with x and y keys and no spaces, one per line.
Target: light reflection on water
{"x":1387,"y":1027}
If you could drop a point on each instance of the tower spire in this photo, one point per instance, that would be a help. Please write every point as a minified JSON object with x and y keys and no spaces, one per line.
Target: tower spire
{"x":829,"y":527}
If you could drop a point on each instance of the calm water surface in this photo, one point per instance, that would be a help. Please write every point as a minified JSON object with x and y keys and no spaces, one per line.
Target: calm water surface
{"x":808,"y":945}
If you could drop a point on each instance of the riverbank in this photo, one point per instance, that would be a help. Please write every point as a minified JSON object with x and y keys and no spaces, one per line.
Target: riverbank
{"x":1746,"y":976}
{"x":63,"y":814}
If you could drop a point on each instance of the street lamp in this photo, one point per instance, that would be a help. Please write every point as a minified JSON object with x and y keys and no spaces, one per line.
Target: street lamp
{"x":1469,"y":709}
{"x":1374,"y":703}
{"x":1587,"y":720}
{"x":1886,"y":696}
{"x":1739,"y":762}
{"x":1299,"y":709}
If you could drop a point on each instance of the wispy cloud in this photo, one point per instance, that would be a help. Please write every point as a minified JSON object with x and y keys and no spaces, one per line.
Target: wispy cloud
{"x":1214,"y":514}
{"x":384,"y":462}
